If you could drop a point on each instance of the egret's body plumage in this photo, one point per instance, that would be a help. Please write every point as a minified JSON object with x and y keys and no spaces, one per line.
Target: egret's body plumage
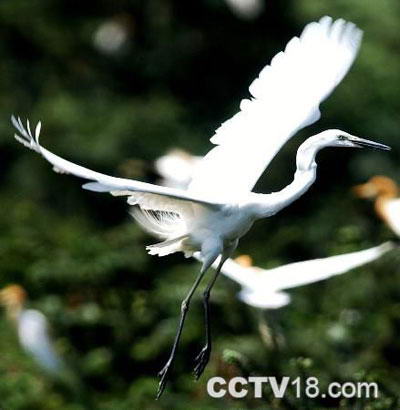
{"x":218,"y":207}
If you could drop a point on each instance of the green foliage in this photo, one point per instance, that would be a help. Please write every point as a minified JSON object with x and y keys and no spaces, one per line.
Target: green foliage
{"x":181,"y":71}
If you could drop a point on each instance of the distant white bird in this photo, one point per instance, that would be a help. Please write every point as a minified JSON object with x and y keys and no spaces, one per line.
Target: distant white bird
{"x":112,"y":35}
{"x":246,"y":9}
{"x":218,"y":207}
{"x":176,"y":168}
{"x":387,"y":203}
{"x":32,"y":328}
{"x":262,"y":288}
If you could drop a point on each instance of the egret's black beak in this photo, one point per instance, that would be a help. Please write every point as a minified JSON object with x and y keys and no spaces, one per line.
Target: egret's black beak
{"x":363,"y":143}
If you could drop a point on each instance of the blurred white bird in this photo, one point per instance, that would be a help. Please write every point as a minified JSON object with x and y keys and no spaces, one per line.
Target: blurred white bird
{"x":176,"y":168}
{"x":32,"y":328}
{"x":262,"y":288}
{"x":218,"y":207}
{"x":387,"y":203}
{"x":246,"y":9}
{"x":112,"y":35}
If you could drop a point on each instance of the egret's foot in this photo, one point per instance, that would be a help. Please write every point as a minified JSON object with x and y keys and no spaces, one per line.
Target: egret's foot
{"x":163,"y":374}
{"x":201,"y":361}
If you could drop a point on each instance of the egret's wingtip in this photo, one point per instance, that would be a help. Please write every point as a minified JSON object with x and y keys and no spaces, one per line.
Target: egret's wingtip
{"x":14,"y":120}
{"x":37,"y":131}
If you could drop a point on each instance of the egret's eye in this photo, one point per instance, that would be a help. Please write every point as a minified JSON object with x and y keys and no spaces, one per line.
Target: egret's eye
{"x":342,"y":137}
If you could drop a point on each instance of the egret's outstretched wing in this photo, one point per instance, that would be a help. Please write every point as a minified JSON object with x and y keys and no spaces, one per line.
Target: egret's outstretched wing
{"x":102,"y":182}
{"x":285,"y":98}
{"x":305,"y":272}
{"x":263,"y":287}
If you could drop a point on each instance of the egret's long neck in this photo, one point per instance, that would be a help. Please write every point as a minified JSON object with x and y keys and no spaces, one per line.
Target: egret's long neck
{"x":304,"y":177}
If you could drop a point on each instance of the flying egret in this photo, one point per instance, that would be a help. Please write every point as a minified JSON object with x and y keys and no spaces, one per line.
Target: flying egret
{"x":32,"y":328}
{"x":262,"y":288}
{"x":387,"y":203}
{"x":219,"y":207}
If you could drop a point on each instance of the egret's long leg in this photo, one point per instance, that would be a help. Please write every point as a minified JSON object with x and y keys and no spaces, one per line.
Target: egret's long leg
{"x":204,"y":356}
{"x":184,"y":309}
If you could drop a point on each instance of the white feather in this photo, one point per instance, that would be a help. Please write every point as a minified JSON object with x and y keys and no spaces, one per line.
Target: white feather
{"x":162,"y":224}
{"x":286,"y":97}
{"x":174,"y":208}
{"x":102,"y":182}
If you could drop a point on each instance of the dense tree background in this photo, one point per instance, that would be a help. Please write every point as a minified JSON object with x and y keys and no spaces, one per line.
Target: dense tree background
{"x":182,"y":70}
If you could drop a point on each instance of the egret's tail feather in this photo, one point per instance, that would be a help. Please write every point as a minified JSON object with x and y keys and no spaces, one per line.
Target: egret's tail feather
{"x":169,"y":246}
{"x":168,"y":225}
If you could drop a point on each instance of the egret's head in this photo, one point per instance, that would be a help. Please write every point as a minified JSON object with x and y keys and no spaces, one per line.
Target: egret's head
{"x":12,"y":297}
{"x":377,"y":186}
{"x":330,"y":138}
{"x":338,"y":138}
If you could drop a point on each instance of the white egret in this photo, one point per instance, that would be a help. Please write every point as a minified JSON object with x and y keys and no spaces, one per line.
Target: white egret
{"x":218,"y":207}
{"x":32,"y":328}
{"x":387,"y":203}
